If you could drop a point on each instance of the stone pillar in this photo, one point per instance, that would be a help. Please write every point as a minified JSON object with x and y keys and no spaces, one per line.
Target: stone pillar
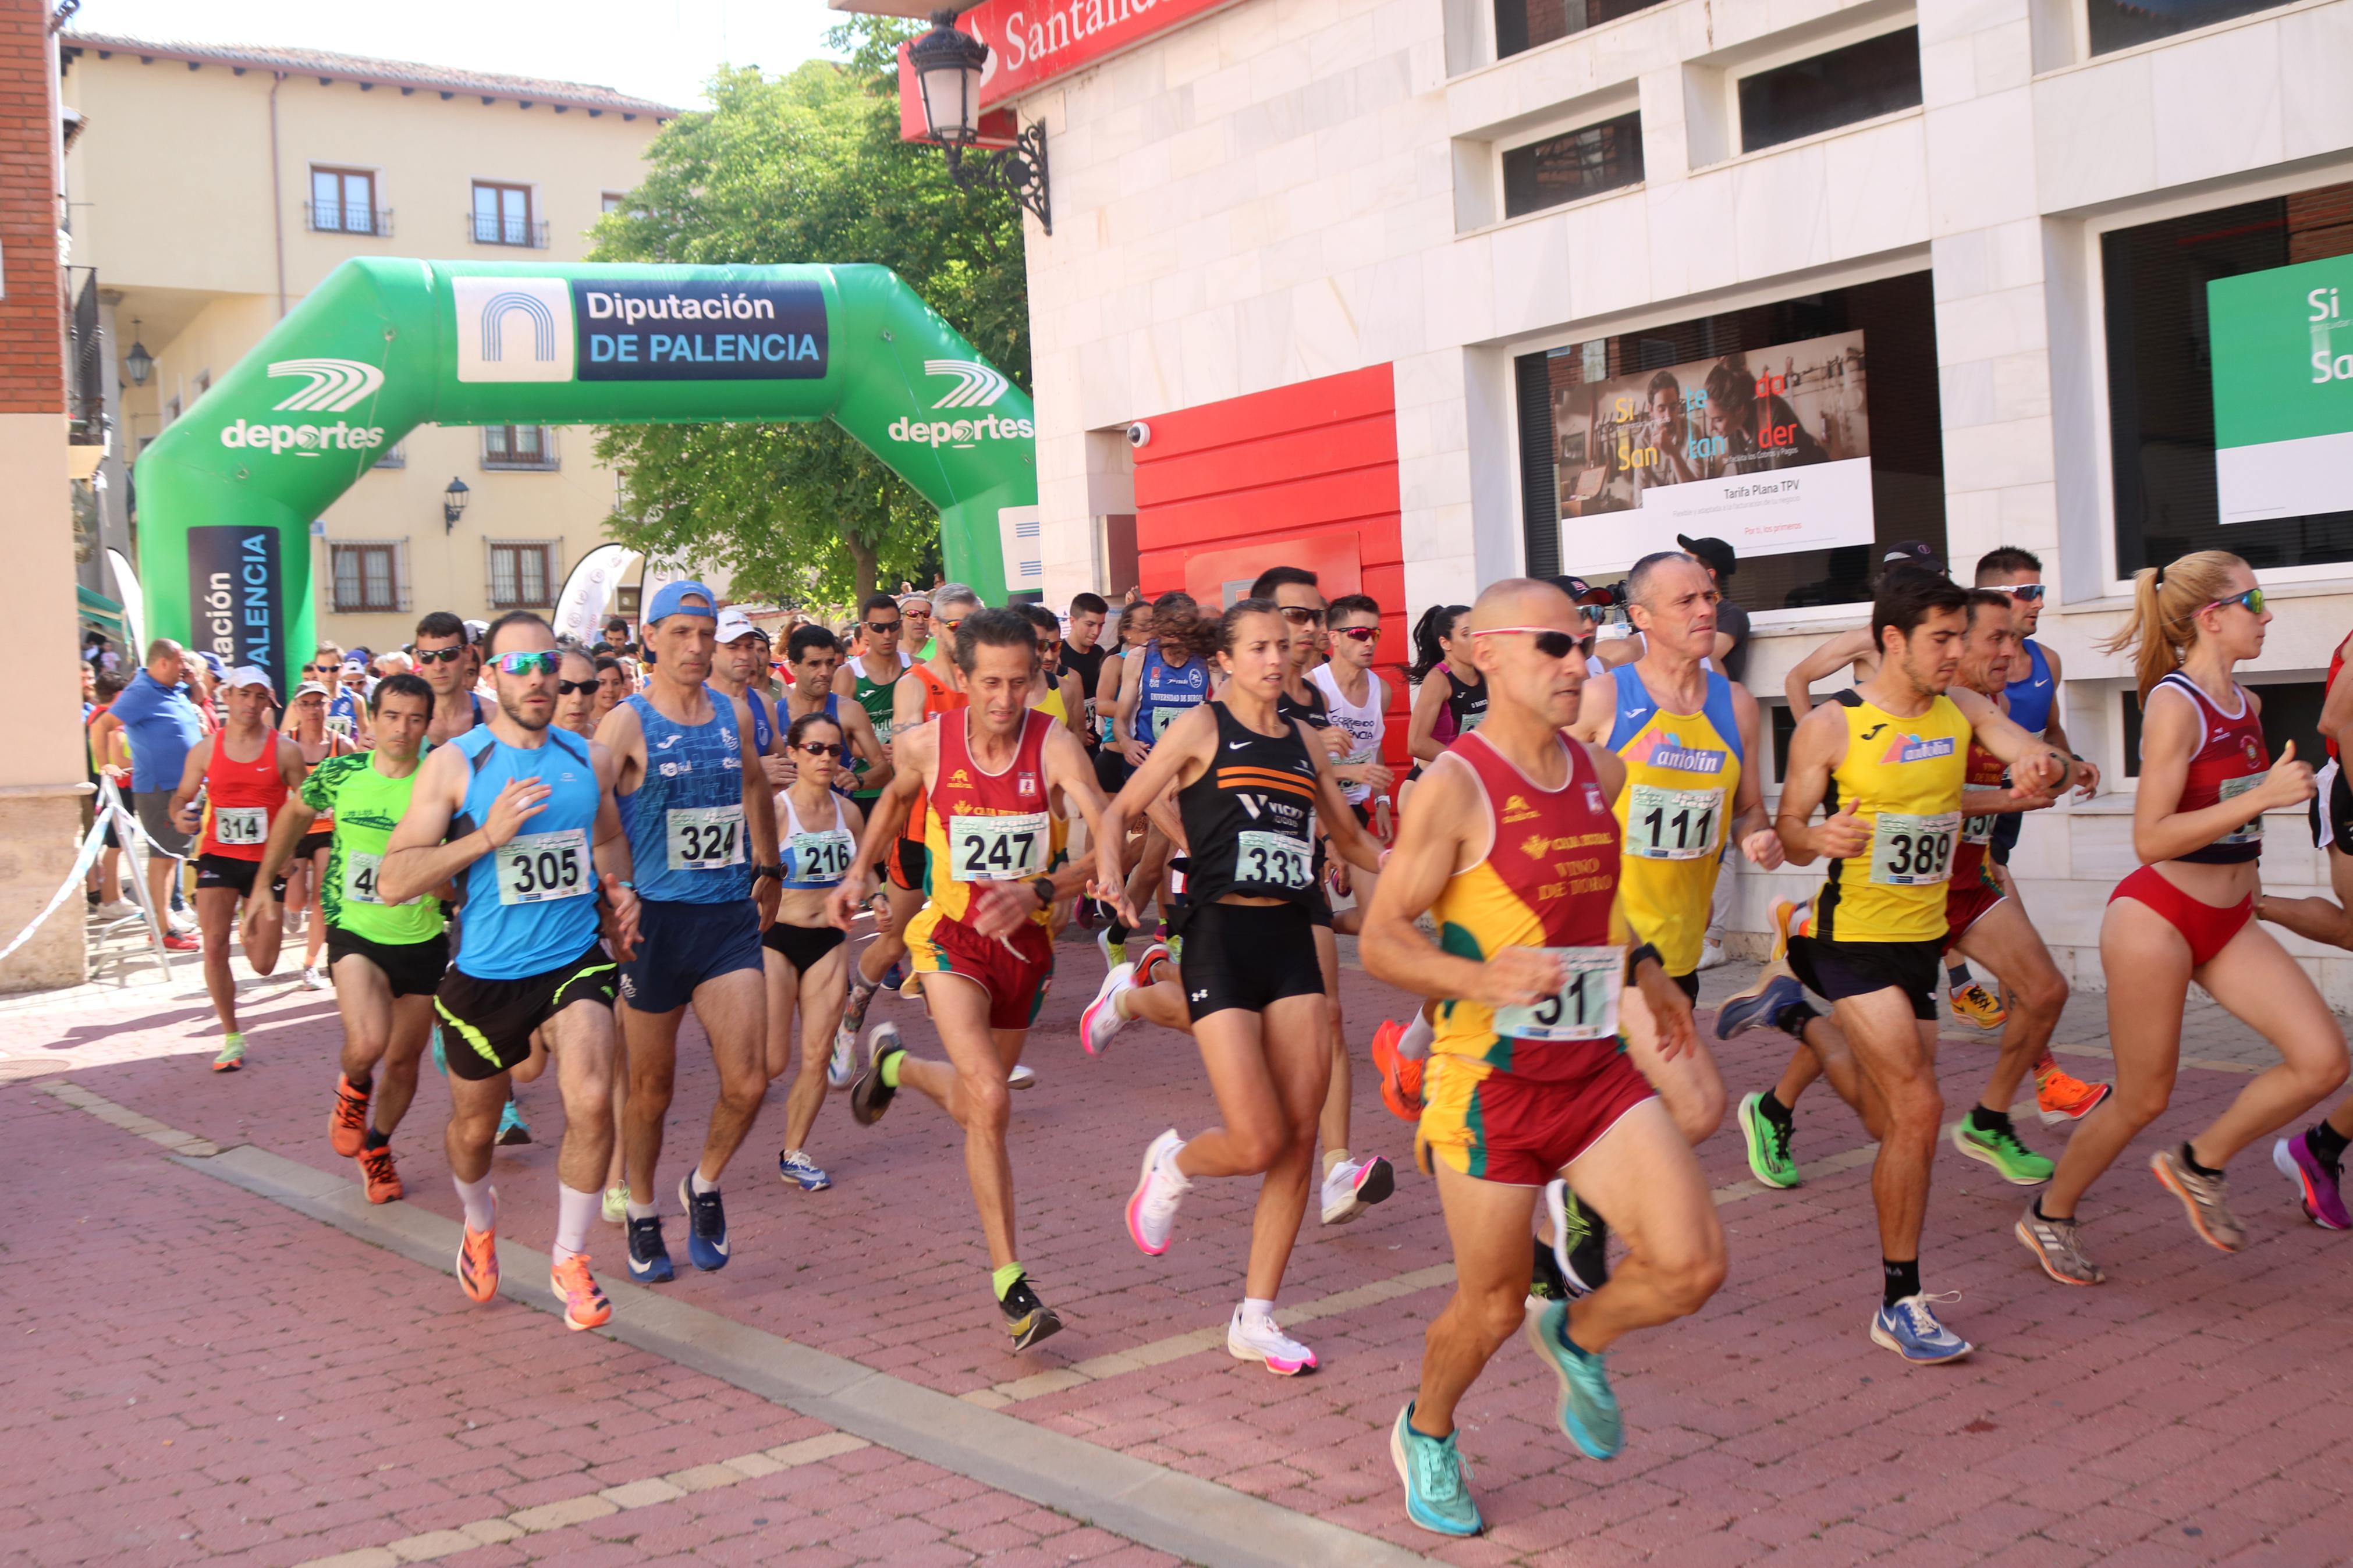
{"x":42,"y":767}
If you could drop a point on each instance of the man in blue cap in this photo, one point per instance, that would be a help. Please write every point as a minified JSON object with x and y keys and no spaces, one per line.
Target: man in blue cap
{"x":702,"y":835}
{"x":162,"y":725}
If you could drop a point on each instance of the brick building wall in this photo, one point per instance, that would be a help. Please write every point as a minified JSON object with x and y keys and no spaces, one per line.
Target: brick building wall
{"x":32,"y":314}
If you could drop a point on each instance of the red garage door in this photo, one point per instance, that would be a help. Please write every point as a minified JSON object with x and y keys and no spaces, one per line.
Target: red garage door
{"x":1300,"y":476}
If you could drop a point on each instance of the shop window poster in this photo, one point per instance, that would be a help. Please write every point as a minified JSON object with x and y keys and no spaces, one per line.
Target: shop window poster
{"x":1768,"y":450}
{"x":2282,"y":357}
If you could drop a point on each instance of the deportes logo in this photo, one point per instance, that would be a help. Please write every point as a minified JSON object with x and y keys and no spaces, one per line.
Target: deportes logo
{"x":334,"y":383}
{"x":978,"y":384}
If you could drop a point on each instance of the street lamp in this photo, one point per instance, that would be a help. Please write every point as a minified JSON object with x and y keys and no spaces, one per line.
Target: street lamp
{"x":138,"y":361}
{"x":453,"y":503}
{"x":948,"y":69}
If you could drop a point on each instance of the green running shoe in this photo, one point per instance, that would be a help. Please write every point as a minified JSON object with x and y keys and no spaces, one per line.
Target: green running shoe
{"x":1588,"y":1410}
{"x":1436,"y":1481}
{"x":1768,"y":1144}
{"x":2019,"y":1165}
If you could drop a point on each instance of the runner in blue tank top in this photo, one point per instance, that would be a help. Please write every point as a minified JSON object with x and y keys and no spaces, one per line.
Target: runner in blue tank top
{"x":701,"y":822}
{"x":2034,"y":695}
{"x":533,"y":838}
{"x":1162,"y":690}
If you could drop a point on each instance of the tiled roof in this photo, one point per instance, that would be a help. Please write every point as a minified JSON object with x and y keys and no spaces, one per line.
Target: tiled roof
{"x":403,"y":74}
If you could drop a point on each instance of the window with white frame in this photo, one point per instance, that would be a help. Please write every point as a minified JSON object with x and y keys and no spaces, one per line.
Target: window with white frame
{"x":523,"y":572}
{"x":370,"y":575}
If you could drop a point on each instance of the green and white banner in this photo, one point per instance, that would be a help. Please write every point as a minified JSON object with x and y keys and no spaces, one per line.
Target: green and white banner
{"x":2283,"y":354}
{"x":227,"y":493}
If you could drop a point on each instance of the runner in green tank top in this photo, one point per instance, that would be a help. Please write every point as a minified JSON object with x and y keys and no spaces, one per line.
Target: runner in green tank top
{"x":387,"y":959}
{"x":871,"y":678}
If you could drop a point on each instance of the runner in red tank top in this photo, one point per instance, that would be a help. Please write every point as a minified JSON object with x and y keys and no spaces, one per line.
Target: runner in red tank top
{"x":2185,"y":914}
{"x":1527,"y":1075}
{"x":925,"y":691}
{"x":245,"y":769}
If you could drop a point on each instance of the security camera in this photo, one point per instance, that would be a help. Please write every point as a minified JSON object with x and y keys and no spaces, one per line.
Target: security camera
{"x":1139,"y":434}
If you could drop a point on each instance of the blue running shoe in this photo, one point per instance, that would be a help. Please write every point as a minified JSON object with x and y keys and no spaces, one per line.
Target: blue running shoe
{"x":1756,"y":1008}
{"x":1588,"y":1410}
{"x":440,"y":1060}
{"x":706,"y":1224}
{"x":1436,"y":1481}
{"x":895,"y":976}
{"x":513,"y":1128}
{"x":648,"y":1259}
{"x":1910,"y":1328}
{"x":794,"y":1166}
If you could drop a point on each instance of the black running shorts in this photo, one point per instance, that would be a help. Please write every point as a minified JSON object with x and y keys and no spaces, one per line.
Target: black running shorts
{"x":1842,"y":969}
{"x":221,"y":871}
{"x":414,"y":968}
{"x":488,"y":1024}
{"x":1248,"y":956}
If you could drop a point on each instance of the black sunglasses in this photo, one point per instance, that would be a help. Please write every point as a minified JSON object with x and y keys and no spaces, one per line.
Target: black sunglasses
{"x":1301,"y":616}
{"x":822,"y":748}
{"x":566,"y":688}
{"x":879,"y":627}
{"x":440,"y":655}
{"x":1550,"y":642}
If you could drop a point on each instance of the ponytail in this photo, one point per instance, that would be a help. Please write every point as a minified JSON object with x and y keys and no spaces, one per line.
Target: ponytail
{"x":1437,"y":621}
{"x":1180,"y":630}
{"x":2164,"y":620}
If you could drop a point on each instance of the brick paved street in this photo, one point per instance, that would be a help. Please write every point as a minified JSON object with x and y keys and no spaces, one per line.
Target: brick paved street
{"x":198,"y":1372}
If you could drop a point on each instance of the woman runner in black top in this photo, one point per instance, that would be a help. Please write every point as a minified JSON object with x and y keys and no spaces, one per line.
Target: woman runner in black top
{"x":1250,"y":788}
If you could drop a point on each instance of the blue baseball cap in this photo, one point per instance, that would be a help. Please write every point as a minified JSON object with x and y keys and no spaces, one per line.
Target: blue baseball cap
{"x":213,"y":661}
{"x":671,"y":600}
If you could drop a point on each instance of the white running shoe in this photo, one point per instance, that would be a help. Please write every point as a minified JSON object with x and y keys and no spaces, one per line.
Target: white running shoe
{"x":1263,"y":1342}
{"x":1352,"y":1187}
{"x":841,"y":1067}
{"x":1101,"y":1021}
{"x":1021,"y":1077}
{"x":1151,"y":1211}
{"x":315,"y":978}
{"x":119,"y":910}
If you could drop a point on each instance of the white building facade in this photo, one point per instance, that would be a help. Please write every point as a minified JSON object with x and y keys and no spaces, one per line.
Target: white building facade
{"x":1968,"y":241}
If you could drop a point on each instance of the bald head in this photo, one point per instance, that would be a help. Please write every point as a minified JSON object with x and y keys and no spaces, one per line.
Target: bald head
{"x":1522,"y":602}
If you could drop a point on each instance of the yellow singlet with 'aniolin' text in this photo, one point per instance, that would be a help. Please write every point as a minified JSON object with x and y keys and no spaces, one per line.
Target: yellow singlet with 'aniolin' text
{"x":1904,"y":777}
{"x":1683,"y":776}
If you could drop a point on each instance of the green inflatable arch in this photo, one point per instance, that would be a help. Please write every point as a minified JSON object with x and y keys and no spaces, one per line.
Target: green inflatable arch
{"x":227,"y":494}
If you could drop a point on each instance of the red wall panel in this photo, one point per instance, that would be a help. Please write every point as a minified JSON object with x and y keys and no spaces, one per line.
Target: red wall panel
{"x":1288,"y":477}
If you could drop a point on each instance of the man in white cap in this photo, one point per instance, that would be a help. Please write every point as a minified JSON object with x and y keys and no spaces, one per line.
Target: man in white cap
{"x":244,"y":772}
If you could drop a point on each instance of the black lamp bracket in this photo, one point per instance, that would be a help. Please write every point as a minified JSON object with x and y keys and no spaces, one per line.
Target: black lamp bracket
{"x":1020,"y":171}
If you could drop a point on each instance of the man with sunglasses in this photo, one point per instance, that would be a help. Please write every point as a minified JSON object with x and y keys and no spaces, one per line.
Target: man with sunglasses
{"x":701,"y":815}
{"x":871,"y":680}
{"x":931,"y":687}
{"x":915,"y":613}
{"x":1528,"y":1077}
{"x":522,"y":816}
{"x":441,"y":650}
{"x":575,"y":694}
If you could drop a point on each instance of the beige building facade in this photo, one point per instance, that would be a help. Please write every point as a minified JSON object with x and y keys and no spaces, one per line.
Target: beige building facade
{"x":215,"y":186}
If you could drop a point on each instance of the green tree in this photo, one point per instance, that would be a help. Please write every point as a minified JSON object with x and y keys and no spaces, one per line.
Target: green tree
{"x":807,"y":167}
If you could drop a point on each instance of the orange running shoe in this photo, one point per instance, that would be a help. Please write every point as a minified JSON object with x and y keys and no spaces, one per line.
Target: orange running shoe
{"x":383,"y":1180}
{"x":478,"y":1259}
{"x":584,"y":1305}
{"x":348,"y":1124}
{"x":2059,"y":1097}
{"x":1157,"y":964}
{"x":1401,"y":1079}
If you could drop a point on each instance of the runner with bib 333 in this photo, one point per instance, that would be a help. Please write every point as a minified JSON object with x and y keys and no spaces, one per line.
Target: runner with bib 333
{"x":1886,"y":762}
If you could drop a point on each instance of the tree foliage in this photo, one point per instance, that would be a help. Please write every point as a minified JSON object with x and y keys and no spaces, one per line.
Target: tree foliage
{"x":807,"y":167}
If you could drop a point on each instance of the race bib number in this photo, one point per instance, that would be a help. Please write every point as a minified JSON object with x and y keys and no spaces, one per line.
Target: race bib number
{"x":996,"y":849}
{"x":360,"y":872}
{"x":341,"y":724}
{"x":1913,"y":851}
{"x":539,"y":867}
{"x":822,"y":857}
{"x":1672,"y":824}
{"x":706,"y":838}
{"x":1274,"y":859}
{"x":240,"y":824}
{"x":1977,"y":830}
{"x":2230,"y":789}
{"x":1586,"y":1007}
{"x":1163,"y":716}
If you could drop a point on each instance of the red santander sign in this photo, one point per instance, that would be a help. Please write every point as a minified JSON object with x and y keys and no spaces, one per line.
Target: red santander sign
{"x":1031,"y":42}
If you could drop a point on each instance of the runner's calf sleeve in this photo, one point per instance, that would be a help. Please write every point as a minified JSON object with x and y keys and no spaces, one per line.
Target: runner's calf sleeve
{"x":575,"y":1211}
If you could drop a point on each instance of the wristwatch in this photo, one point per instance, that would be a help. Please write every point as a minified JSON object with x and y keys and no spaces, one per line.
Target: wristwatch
{"x":1044,"y":888}
{"x":776,"y":871}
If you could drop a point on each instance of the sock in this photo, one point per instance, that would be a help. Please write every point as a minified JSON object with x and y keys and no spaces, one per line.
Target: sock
{"x":2196,"y":1169}
{"x":1770,"y":1106}
{"x":1984,"y":1120}
{"x":476,"y":1196}
{"x":1903,"y":1278}
{"x":1959,"y":974}
{"x":890,"y":1068}
{"x":575,"y":1211}
{"x":701,"y":1185}
{"x":1258,"y":1312}
{"x":1005,"y":1279}
{"x":364,"y":1084}
{"x":640,"y":1211}
{"x":376,"y":1139}
{"x":1332,"y":1157}
{"x":1418,"y":1034}
{"x":2044,"y":1062}
{"x":2327,"y":1144}
{"x":2053,"y":1218}
{"x":1792,"y":1019}
{"x":1119,"y":934}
